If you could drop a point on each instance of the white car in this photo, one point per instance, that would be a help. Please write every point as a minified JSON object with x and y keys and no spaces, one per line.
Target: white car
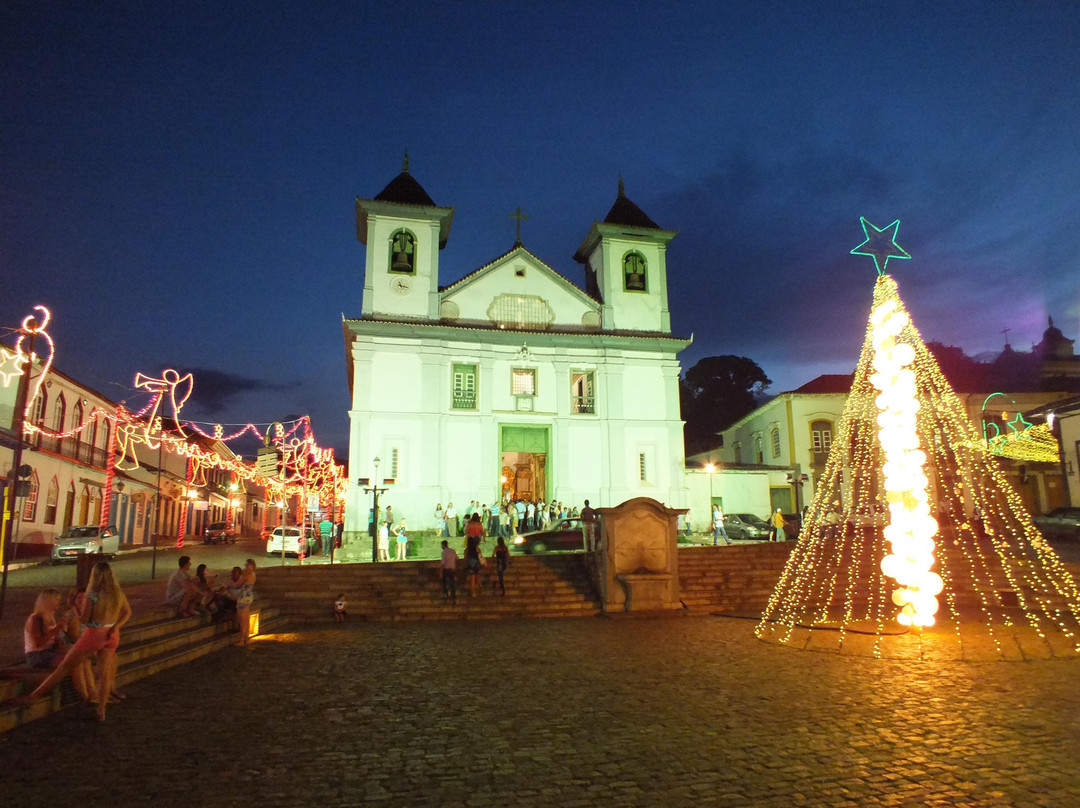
{"x":291,"y":540}
{"x":90,"y":539}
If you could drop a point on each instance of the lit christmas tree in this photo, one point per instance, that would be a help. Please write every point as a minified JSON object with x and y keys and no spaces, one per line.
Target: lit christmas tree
{"x":915,"y":544}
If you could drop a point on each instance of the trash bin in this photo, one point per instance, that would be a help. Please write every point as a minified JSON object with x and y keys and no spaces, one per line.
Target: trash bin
{"x":84,"y":565}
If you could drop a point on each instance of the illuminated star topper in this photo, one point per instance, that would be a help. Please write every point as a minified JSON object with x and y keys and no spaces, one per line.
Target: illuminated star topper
{"x":880,"y":244}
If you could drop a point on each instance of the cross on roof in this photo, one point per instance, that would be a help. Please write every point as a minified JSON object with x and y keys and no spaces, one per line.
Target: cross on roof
{"x":519,"y":216}
{"x":1006,"y":331}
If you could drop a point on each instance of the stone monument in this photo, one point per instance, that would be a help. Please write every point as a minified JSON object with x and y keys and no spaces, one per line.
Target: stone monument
{"x":639,"y":565}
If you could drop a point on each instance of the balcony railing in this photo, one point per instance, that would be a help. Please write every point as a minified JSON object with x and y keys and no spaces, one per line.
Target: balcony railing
{"x":463,"y":400}
{"x":583,"y":405}
{"x":75,"y":450}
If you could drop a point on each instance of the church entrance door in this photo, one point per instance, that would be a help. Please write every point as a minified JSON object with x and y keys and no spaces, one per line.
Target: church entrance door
{"x":523,"y":461}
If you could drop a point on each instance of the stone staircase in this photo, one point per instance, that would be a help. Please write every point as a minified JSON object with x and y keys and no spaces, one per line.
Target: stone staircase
{"x":739,"y":579}
{"x":554,"y":585}
{"x":732,"y":580}
{"x":151,"y":642}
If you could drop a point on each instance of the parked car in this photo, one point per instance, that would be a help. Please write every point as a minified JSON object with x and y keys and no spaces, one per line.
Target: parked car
{"x":75,"y":541}
{"x":219,"y":533}
{"x":293,"y":538}
{"x":746,"y":526}
{"x":1060,"y":523}
{"x":567,"y":534}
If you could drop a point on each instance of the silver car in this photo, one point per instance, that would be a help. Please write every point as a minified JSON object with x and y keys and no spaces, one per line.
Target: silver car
{"x":91,"y":539}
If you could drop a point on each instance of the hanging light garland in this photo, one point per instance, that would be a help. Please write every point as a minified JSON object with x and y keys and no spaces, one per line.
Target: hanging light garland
{"x":308,"y":468}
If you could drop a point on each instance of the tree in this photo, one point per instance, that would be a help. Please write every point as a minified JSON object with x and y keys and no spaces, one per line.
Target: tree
{"x":715,"y":393}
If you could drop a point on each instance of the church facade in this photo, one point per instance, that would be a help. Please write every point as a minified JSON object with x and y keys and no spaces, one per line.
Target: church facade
{"x":511,"y":382}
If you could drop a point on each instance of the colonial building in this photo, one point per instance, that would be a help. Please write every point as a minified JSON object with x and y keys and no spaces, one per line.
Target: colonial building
{"x":792,"y":434}
{"x":512,"y":381}
{"x":67,"y":476}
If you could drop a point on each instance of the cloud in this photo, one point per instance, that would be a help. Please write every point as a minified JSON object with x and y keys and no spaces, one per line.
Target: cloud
{"x":214,"y":390}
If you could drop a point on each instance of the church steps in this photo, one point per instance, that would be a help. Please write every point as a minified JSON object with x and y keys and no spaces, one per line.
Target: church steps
{"x":152,"y":642}
{"x":547,"y":586}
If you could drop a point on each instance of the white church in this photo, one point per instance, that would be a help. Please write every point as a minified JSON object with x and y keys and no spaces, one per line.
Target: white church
{"x":512,"y":381}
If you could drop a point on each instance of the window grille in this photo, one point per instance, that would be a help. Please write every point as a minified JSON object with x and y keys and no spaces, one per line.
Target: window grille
{"x":523,"y":382}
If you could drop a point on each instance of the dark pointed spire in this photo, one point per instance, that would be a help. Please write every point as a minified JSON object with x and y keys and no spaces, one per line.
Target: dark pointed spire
{"x":405,"y":163}
{"x":625,"y":212}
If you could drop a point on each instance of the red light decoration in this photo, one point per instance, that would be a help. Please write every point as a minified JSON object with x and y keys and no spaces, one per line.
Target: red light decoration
{"x":307,"y":467}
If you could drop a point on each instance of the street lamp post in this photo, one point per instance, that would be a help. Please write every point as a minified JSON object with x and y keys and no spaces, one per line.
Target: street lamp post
{"x":710,"y":468}
{"x":374,"y":490}
{"x":281,"y":525}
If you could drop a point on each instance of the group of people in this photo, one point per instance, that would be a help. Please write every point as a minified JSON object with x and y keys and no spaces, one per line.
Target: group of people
{"x":202,"y":593}
{"x":386,"y":529}
{"x":66,"y":641}
{"x":475,"y":561}
{"x":510,"y":518}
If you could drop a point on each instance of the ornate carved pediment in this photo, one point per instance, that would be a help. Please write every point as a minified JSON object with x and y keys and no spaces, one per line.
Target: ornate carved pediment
{"x":521,"y":311}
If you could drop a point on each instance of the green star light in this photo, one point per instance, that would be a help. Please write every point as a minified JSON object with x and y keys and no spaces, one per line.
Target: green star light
{"x":880,"y":244}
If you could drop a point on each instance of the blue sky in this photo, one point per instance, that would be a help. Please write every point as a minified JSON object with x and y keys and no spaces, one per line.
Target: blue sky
{"x":178,"y":179}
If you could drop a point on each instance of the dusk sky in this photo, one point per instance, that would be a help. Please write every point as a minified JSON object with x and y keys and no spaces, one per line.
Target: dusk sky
{"x":177,"y":180}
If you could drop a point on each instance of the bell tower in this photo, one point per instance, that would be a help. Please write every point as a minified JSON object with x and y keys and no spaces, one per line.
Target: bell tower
{"x":403,"y":230}
{"x":625,"y":258}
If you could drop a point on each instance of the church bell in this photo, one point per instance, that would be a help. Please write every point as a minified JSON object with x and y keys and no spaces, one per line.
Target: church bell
{"x":401,"y":262}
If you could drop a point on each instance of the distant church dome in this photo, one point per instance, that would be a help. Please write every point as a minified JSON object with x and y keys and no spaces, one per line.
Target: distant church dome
{"x":1054,"y":345}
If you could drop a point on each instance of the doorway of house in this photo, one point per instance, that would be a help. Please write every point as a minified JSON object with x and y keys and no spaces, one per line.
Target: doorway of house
{"x":523,"y":461}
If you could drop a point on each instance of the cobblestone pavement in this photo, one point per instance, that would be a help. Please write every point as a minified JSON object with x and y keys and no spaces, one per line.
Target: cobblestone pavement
{"x":587,"y":712}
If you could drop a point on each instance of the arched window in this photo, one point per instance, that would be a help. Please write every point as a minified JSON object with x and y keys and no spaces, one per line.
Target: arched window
{"x":102,"y":452}
{"x":59,"y":412}
{"x":759,"y":452}
{"x":30,"y":506}
{"x":634,"y":272}
{"x":774,"y":440}
{"x":52,"y":494}
{"x":81,"y":451}
{"x":403,"y":252}
{"x":37,"y":413}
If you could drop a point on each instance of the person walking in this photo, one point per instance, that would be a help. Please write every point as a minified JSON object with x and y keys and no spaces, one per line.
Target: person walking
{"x":451,"y":530}
{"x":778,"y":527}
{"x":244,"y":588}
{"x":104,"y":610}
{"x":718,"y":525}
{"x":474,"y":560}
{"x":326,"y":534}
{"x":401,"y":539}
{"x":502,"y":561}
{"x":588,"y":519}
{"x":504,"y":521}
{"x":448,"y":569}
{"x":384,"y":541}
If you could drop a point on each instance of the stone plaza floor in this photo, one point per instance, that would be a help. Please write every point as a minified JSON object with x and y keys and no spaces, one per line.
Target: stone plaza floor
{"x":584,"y":712}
